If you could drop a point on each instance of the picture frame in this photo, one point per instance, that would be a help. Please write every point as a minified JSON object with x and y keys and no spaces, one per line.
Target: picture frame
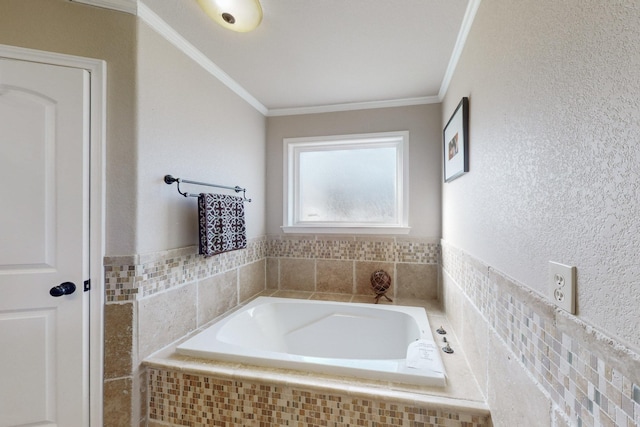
{"x":455,"y":142}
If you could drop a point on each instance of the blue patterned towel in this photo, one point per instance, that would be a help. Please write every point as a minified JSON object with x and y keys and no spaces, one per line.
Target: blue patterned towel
{"x":222,"y":224}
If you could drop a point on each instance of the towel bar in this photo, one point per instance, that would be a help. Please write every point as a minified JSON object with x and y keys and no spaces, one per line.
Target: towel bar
{"x":169,"y":179}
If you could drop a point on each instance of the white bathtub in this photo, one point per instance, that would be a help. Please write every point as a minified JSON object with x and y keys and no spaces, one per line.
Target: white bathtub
{"x":359,"y":340}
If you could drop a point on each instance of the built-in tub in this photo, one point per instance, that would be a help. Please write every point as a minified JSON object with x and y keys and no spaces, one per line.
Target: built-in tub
{"x":360,"y":340}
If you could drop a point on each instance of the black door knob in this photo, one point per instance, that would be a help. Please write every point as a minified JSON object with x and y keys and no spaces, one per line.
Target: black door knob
{"x":65,"y":288}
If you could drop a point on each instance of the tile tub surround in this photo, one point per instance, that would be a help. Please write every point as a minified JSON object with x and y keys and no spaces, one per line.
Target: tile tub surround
{"x":143,"y":291}
{"x":181,"y":398}
{"x":194,"y":392}
{"x":519,"y":344}
{"x":155,"y":299}
{"x":128,"y":278}
{"x":343,"y":264}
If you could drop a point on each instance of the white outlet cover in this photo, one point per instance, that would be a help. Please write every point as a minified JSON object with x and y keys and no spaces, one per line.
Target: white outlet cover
{"x":562,"y":286}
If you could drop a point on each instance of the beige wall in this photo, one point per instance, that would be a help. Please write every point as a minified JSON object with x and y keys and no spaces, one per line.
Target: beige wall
{"x":165,"y":115}
{"x":74,"y":29}
{"x":554,"y":93}
{"x":191,"y":126}
{"x":423,"y":124}
{"x":554,"y":161}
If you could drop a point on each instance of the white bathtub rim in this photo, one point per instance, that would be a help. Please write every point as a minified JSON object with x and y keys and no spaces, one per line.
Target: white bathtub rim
{"x":395,"y":369}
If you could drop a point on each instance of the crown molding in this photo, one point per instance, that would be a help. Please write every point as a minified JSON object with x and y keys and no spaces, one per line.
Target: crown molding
{"x":137,"y":7}
{"x":173,"y":37}
{"x":353,"y":106}
{"x":467,"y":21}
{"x":129,"y":6}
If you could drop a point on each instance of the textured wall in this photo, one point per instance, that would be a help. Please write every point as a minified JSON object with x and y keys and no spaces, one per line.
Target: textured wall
{"x":76,"y":29}
{"x":554,"y":93}
{"x":423,"y":124}
{"x":190,"y":126}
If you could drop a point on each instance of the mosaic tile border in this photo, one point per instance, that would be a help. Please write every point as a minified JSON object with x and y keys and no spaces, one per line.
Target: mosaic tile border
{"x":133,"y":277}
{"x":130,"y":278}
{"x":356,"y":248}
{"x":189,"y":399}
{"x":590,"y":378}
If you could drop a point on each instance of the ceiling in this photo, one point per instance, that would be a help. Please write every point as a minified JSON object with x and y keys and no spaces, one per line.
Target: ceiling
{"x":313,"y":55}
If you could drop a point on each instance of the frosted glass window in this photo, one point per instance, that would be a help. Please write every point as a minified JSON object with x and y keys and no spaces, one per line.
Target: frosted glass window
{"x":353,"y":181}
{"x":357,"y":185}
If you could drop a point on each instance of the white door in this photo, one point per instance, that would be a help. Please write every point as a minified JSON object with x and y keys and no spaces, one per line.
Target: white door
{"x":44,"y":242}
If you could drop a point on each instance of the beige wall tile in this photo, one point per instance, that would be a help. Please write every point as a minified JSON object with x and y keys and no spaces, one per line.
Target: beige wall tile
{"x":366,"y":299}
{"x":293,"y":294}
{"x":451,"y":300}
{"x":417,"y":281}
{"x":141,"y":384}
{"x":273,"y":273}
{"x":117,"y":402}
{"x":216,"y":295}
{"x":251,"y":279}
{"x":165,"y":317}
{"x":508,"y":384}
{"x":474,"y":336}
{"x":118,"y":340}
{"x":334,"y":276}
{"x":267,"y":293}
{"x":331,"y":297}
{"x":297,"y":274}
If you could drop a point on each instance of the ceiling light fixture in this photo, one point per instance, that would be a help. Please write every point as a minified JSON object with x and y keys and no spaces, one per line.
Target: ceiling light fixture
{"x":236,"y":15}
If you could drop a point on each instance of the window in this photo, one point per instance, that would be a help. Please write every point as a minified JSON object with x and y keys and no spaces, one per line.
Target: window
{"x":347,"y":184}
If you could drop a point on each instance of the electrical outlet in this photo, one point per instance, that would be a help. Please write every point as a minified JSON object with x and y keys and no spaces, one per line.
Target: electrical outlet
{"x":562,"y":286}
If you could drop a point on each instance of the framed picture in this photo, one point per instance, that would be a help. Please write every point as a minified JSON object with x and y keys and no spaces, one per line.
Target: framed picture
{"x":456,"y":142}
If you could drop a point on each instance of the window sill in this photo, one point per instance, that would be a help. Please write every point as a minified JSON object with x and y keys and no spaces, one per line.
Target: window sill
{"x":345,"y":230}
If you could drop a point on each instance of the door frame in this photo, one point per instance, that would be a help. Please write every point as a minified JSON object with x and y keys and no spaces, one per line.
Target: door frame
{"x":97,"y":144}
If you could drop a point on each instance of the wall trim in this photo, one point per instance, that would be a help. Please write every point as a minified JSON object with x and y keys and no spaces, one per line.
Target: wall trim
{"x":98,"y":71}
{"x":129,"y":6}
{"x":353,"y":106}
{"x":173,"y":37}
{"x":467,"y":22}
{"x":137,"y":7}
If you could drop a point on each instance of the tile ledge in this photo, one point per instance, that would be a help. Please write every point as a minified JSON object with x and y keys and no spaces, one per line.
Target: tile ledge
{"x":395,"y":392}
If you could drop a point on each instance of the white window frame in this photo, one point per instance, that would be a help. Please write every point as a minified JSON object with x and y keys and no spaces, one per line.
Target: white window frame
{"x":292,"y":147}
